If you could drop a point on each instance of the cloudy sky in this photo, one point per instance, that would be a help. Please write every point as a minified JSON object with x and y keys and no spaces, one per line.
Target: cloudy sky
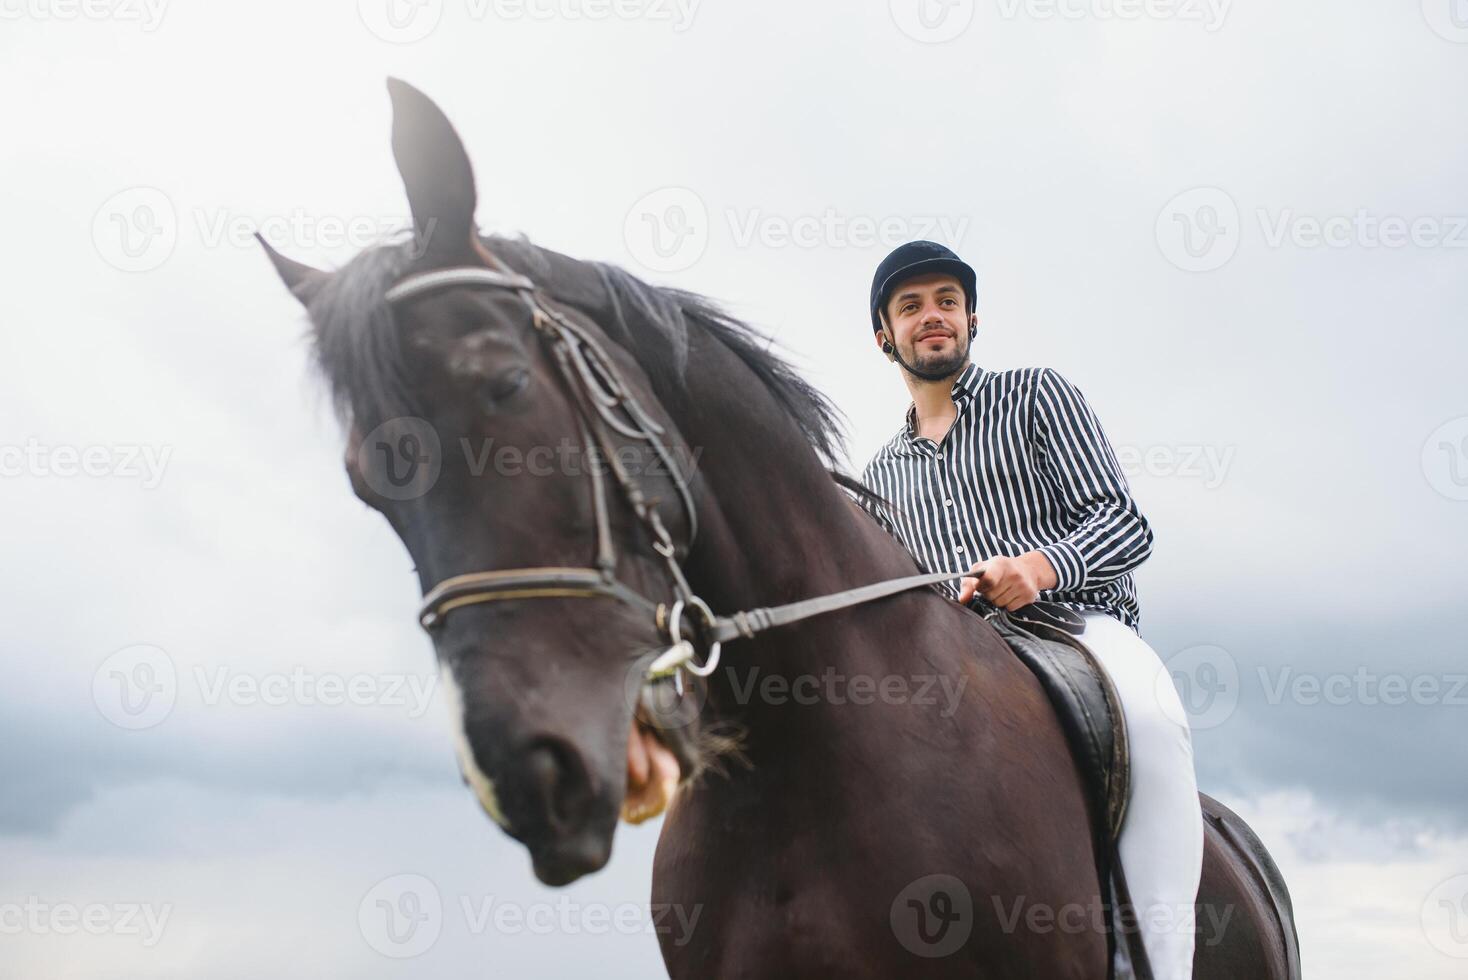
{"x":1240,"y":227}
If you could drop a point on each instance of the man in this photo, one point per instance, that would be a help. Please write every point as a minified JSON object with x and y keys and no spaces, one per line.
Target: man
{"x":1007,"y":474}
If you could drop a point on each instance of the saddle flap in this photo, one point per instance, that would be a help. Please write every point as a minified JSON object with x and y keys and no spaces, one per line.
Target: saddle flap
{"x":1045,"y":639}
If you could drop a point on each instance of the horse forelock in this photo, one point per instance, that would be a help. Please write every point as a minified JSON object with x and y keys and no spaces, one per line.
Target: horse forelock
{"x":355,"y":342}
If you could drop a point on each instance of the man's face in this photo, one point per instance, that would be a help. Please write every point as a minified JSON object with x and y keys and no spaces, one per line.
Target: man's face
{"x":927,"y":321}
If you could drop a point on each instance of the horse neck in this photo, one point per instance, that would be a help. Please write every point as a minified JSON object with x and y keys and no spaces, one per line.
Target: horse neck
{"x":776,"y":529}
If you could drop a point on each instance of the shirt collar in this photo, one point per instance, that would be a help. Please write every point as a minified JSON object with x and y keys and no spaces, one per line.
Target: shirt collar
{"x":969,"y":380}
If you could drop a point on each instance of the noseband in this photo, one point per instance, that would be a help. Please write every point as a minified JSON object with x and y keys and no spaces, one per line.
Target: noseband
{"x":603,"y":402}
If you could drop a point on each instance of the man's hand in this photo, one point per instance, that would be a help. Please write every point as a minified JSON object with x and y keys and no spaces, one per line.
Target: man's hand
{"x":1009,"y":583}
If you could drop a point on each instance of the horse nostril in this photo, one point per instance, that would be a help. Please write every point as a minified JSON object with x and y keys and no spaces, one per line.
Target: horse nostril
{"x":558,"y":776}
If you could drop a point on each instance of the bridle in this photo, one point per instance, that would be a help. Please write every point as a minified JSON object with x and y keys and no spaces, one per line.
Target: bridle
{"x":603,"y":402}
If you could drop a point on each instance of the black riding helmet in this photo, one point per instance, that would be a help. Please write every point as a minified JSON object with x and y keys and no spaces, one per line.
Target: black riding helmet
{"x":916,"y":259}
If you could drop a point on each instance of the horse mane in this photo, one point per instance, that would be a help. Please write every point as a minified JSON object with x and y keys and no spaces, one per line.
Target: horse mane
{"x":358,"y":352}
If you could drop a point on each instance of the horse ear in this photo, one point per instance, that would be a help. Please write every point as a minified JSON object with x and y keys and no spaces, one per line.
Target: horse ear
{"x":301,"y":279}
{"x":436,"y":174}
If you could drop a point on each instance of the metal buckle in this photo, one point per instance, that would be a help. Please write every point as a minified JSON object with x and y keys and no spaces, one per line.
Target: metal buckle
{"x":675,"y":617}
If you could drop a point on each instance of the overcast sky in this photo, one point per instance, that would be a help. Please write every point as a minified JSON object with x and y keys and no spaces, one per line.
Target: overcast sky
{"x":1241,"y":228}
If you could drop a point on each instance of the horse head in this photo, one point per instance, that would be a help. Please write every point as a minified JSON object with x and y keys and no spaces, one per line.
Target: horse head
{"x":504,"y":436}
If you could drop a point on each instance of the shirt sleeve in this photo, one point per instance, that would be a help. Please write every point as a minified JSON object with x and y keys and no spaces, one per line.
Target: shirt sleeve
{"x":1110,"y":537}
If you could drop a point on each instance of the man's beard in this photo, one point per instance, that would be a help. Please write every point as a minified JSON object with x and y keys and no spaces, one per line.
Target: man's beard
{"x":937,"y":366}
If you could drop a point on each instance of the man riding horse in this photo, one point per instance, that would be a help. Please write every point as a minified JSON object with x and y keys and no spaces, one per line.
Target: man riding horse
{"x":1009,"y":474}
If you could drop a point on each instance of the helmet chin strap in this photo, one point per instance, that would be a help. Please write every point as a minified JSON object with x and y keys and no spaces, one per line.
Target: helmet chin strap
{"x":891,"y":351}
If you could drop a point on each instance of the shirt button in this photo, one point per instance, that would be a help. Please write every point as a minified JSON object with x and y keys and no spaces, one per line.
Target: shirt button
{"x":940,"y":455}
{"x":948,"y":503}
{"x":958,"y":550}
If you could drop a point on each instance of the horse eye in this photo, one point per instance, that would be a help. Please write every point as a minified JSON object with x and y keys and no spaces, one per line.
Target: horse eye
{"x":507,"y":385}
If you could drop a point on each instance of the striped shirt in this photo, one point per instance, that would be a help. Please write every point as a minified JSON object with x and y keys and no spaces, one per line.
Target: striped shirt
{"x":1024,"y":467}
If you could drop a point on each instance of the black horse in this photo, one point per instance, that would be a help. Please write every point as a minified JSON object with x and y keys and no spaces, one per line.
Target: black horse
{"x":879,"y":792}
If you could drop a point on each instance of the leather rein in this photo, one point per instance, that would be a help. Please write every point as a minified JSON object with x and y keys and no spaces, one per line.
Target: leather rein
{"x":604,"y":403}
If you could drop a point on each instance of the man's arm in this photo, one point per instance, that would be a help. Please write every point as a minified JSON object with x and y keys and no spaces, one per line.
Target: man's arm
{"x":1110,"y":537}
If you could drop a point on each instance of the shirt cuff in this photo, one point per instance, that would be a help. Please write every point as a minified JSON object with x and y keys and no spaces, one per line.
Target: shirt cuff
{"x":1070,"y":568}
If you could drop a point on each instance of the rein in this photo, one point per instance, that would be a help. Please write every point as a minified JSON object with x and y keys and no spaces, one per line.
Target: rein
{"x":603,"y":402}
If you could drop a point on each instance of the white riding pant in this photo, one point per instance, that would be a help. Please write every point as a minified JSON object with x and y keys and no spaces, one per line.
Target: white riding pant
{"x":1162,"y":837}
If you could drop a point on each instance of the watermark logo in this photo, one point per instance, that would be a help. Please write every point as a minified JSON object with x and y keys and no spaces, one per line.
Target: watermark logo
{"x":1445,"y":459}
{"x":402,"y":916}
{"x":1362,"y":228}
{"x":148,"y":14}
{"x":566,"y":917}
{"x":666,"y":703}
{"x":1098,"y":917}
{"x":1209,"y":465}
{"x":135,"y":230}
{"x":1445,"y":917}
{"x":932,"y":21}
{"x":1198,"y":230}
{"x":1448,"y":19}
{"x":400,"y":21}
{"x":125,"y":461}
{"x":136,"y":687}
{"x":400,"y":459}
{"x":933,"y":916}
{"x":1199,"y":687}
{"x":667,"y":230}
{"x":1363,"y":686}
{"x":832,"y":229}
{"x":37,"y":917}
{"x":1210,"y":13}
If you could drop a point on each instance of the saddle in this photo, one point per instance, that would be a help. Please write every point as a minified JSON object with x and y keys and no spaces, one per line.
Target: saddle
{"x":1046,"y":639}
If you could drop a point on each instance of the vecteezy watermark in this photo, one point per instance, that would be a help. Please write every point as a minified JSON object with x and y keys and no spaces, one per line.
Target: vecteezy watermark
{"x":1361,"y":229}
{"x":832,"y":229}
{"x":402,"y":459}
{"x":571,"y":458}
{"x":1445,"y":458}
{"x":1210,"y":13}
{"x":1199,"y":687}
{"x":1201,"y":229}
{"x":1202,"y":686}
{"x":1362,"y":686}
{"x":567,"y":918}
{"x":403,"y":916}
{"x":300,"y":687}
{"x":138,"y":686}
{"x":666,"y":703}
{"x":37,"y":917}
{"x":147,"y":14}
{"x":832,"y":687}
{"x":1445,"y":917}
{"x":1207,"y":464}
{"x":1019,"y":914}
{"x":669,"y":229}
{"x":138,"y":229}
{"x":933,"y":917}
{"x":123,"y":461}
{"x":135,"y":687}
{"x":1198,"y":230}
{"x":1447,"y":18}
{"x":301,"y":229}
{"x":932,"y":21}
{"x":407,"y":21}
